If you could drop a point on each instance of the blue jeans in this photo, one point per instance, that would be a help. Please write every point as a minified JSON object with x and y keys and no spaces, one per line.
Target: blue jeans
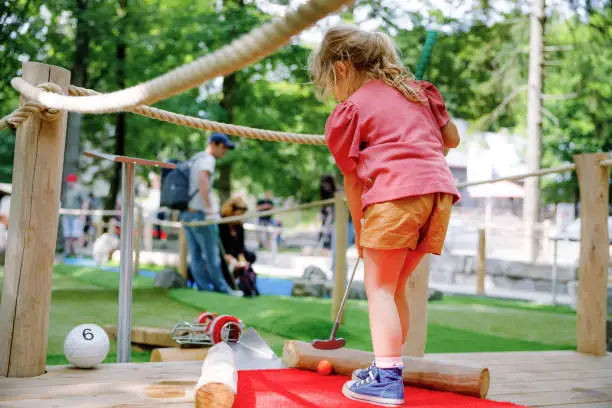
{"x":205,"y":262}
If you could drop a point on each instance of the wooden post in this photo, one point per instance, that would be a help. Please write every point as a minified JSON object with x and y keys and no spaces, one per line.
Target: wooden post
{"x":594,"y":181}
{"x":482,"y":262}
{"x":182,"y":253}
{"x":417,"y":293}
{"x":138,"y":230}
{"x":341,"y":226}
{"x":35,"y":203}
{"x":147,"y":239}
{"x":546,"y":226}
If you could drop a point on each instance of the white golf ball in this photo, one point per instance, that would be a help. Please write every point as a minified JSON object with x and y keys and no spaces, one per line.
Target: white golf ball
{"x":86,"y":345}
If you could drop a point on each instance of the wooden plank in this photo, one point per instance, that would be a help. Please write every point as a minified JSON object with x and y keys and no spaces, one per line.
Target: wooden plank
{"x":32,"y":231}
{"x":143,"y":335}
{"x":561,"y":379}
{"x":126,"y":159}
{"x":501,"y":379}
{"x":521,"y":357}
{"x":114,"y":398}
{"x":594,"y":181}
{"x":417,"y":293}
{"x":519,"y":386}
{"x":178,"y":354}
{"x":574,"y":395}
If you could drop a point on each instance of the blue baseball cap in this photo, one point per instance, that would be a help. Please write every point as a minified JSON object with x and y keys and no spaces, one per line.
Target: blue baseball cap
{"x":218,"y":137}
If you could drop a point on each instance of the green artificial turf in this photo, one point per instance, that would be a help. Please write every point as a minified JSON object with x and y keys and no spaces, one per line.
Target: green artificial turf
{"x":456,"y":323}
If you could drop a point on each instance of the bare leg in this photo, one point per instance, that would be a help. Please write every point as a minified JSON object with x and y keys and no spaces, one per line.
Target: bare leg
{"x":382,"y":272}
{"x":410,"y":264}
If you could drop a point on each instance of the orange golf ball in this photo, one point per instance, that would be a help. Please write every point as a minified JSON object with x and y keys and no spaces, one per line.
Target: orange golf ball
{"x":324,"y":367}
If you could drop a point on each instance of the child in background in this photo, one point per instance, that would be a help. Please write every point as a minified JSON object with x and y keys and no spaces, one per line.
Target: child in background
{"x":389,"y":136}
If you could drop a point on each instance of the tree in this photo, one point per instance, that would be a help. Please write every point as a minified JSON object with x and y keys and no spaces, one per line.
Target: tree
{"x":531,"y":202}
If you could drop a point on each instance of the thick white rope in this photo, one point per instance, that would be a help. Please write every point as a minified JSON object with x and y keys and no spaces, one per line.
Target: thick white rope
{"x":606,"y":163}
{"x":199,"y":123}
{"x":242,"y":52}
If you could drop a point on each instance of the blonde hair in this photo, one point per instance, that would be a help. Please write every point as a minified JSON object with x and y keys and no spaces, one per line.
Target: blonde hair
{"x":234,"y":204}
{"x":372,"y":54}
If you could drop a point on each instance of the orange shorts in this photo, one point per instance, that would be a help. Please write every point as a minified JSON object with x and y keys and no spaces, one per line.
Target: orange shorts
{"x":418,"y":223}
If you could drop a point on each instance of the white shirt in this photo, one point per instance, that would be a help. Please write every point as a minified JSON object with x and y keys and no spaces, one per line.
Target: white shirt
{"x":202,"y":162}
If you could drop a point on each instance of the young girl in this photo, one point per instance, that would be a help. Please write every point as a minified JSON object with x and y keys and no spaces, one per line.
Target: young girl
{"x":389,"y":136}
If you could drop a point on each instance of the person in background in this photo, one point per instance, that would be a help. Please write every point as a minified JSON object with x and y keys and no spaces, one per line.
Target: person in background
{"x":265,"y":204}
{"x":237,"y":257}
{"x":90,"y":229}
{"x":202,"y":241}
{"x":75,"y":198}
{"x":327,"y":190}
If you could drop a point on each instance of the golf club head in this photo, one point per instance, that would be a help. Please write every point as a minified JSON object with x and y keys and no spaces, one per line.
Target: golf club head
{"x":331,"y":344}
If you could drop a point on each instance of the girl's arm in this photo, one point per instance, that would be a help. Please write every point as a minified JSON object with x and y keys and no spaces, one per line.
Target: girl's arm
{"x":353,"y":188}
{"x":450,"y":136}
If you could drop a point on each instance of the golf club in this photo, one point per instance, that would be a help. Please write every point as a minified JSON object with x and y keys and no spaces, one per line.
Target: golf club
{"x":333,"y":343}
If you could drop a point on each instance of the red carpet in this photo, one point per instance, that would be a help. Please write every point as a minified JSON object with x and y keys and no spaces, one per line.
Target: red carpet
{"x":292,"y":388}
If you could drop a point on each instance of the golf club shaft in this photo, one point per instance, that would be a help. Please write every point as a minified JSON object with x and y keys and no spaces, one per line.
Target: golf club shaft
{"x":346,"y":292}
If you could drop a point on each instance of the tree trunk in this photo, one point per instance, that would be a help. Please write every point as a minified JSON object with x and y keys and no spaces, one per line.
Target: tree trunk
{"x":230,"y":83}
{"x":531,"y":203}
{"x":72,"y":150}
{"x":120,"y":124}
{"x":224,"y":185}
{"x":79,"y":78}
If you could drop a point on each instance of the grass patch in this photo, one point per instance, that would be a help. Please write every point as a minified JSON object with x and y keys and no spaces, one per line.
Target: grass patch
{"x":456,"y":324}
{"x":136,"y":357}
{"x":100,"y":278}
{"x":507,"y":303}
{"x":148,"y":267}
{"x":307,"y":318}
{"x":150,"y":307}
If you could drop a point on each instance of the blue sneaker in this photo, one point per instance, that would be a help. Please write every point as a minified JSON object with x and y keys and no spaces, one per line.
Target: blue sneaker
{"x":362,"y":373}
{"x":383,"y":386}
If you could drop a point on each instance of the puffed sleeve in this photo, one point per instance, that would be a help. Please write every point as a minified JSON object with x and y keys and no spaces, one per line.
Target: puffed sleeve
{"x":436,"y":102}
{"x":342,"y":136}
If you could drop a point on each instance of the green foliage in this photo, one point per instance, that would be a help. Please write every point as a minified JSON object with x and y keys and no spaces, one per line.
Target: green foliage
{"x":481,"y":68}
{"x":578,"y":122}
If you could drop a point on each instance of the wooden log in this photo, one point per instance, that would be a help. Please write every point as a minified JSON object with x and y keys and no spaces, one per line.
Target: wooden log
{"x":178,"y":354}
{"x":481,"y":262}
{"x":417,"y":293}
{"x":32,"y":232}
{"x":218,"y":382}
{"x":340,"y":225}
{"x":592,"y":302}
{"x":214,"y":395}
{"x":143,"y":335}
{"x":418,"y":372}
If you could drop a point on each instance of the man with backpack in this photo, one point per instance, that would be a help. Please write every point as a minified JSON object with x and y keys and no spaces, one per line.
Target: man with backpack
{"x":189,"y":188}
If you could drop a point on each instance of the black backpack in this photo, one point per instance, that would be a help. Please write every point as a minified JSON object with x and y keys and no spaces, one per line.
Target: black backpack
{"x":175,"y":192}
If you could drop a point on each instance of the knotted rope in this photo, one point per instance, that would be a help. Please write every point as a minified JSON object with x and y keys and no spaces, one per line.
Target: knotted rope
{"x":22,"y":114}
